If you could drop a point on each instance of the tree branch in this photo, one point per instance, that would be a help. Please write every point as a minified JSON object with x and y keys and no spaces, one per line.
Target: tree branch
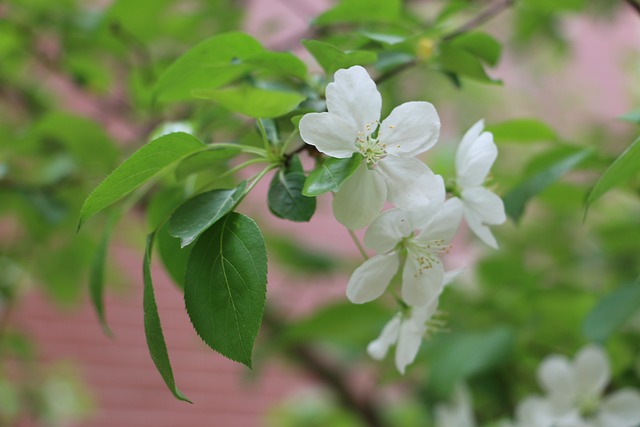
{"x":488,"y":14}
{"x":331,"y":375}
{"x":635,"y":6}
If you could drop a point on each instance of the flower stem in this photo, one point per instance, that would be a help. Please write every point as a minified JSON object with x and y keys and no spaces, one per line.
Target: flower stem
{"x":242,"y":147}
{"x":358,"y":244}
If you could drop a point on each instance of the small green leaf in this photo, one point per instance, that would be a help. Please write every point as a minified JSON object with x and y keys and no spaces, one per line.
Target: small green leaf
{"x":611,"y":312}
{"x":225,"y":286}
{"x":150,"y":160}
{"x":252,"y":101}
{"x":153,"y":329}
{"x":286,"y":199}
{"x":361,"y":11}
{"x":481,"y":45}
{"x":197,"y":214}
{"x":209,"y":65}
{"x":522,"y":130}
{"x":631,"y":116}
{"x":332,"y":59}
{"x":516,"y":200}
{"x":330,"y":175}
{"x":283,"y":63}
{"x":96,"y":275}
{"x":622,"y":169}
{"x":460,"y":62}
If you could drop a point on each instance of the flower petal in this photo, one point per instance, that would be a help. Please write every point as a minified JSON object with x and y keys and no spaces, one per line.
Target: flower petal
{"x":421,"y":313}
{"x":421,"y":285}
{"x":410,"y":183}
{"x":409,"y":340}
{"x":411,"y":128}
{"x":353,"y":96}
{"x":370,"y":280}
{"x":444,"y":223}
{"x":473,"y":165}
{"x":487,"y":205}
{"x":388,"y":229}
{"x":467,"y":141}
{"x":479,"y":229}
{"x":534,"y":412}
{"x":592,"y":370}
{"x":360,"y":198}
{"x":556,"y":377}
{"x":329,"y":133}
{"x":379,"y":347}
{"x":620,"y":409}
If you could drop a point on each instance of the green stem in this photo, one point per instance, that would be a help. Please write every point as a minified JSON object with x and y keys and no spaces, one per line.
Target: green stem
{"x":358,"y":244}
{"x":242,"y":147}
{"x":263,"y":134}
{"x":286,"y":143}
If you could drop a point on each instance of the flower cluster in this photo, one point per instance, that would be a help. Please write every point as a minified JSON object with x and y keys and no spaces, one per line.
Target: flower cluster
{"x":574,"y":395}
{"x":422,"y":224}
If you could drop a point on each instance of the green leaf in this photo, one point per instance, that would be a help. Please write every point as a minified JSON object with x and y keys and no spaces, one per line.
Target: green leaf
{"x":150,"y":160}
{"x":612,"y":312}
{"x":283,"y":63}
{"x":517,"y":198}
{"x":522,"y":130}
{"x":631,"y":116}
{"x":97,"y":275}
{"x":332,"y":59}
{"x":197,"y":214}
{"x":460,"y":62}
{"x":286,"y":199}
{"x":361,"y":11}
{"x":451,"y":360}
{"x":252,"y":101}
{"x":173,"y":256}
{"x":225,"y":286}
{"x":330,"y":175}
{"x":622,"y":169}
{"x":152,"y":327}
{"x":479,"y":44}
{"x":204,"y":160}
{"x":209,"y":65}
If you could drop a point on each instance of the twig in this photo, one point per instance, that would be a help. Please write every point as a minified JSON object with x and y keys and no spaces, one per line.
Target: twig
{"x":331,"y":375}
{"x":488,"y":14}
{"x":635,"y":6}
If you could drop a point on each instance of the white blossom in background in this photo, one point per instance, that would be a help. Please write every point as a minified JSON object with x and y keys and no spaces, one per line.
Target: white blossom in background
{"x":423,"y":236}
{"x":574,"y":395}
{"x":389,"y":169}
{"x":476,"y":154}
{"x":406,"y":330}
{"x":458,"y":412}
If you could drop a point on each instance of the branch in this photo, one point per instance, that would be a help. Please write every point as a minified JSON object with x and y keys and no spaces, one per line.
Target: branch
{"x":331,"y":375}
{"x":635,"y":6}
{"x":488,"y":14}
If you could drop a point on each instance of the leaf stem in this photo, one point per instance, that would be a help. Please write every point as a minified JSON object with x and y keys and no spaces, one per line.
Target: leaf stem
{"x":263,"y":134}
{"x":286,"y":143}
{"x":358,"y":244}
{"x":242,"y":147}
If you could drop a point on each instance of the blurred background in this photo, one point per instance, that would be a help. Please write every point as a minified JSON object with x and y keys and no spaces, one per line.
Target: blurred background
{"x":76,"y":80}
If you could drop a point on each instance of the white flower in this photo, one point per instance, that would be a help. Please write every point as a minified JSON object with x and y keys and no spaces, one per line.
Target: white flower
{"x":389,"y":170}
{"x":406,"y":330}
{"x":574,"y":395}
{"x":578,"y":387}
{"x":459,"y":412}
{"x":423,"y":237}
{"x":474,"y":158}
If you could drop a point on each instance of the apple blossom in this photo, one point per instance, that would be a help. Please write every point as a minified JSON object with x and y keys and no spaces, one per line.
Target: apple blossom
{"x":422,"y":236}
{"x":389,"y":170}
{"x":474,"y":158}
